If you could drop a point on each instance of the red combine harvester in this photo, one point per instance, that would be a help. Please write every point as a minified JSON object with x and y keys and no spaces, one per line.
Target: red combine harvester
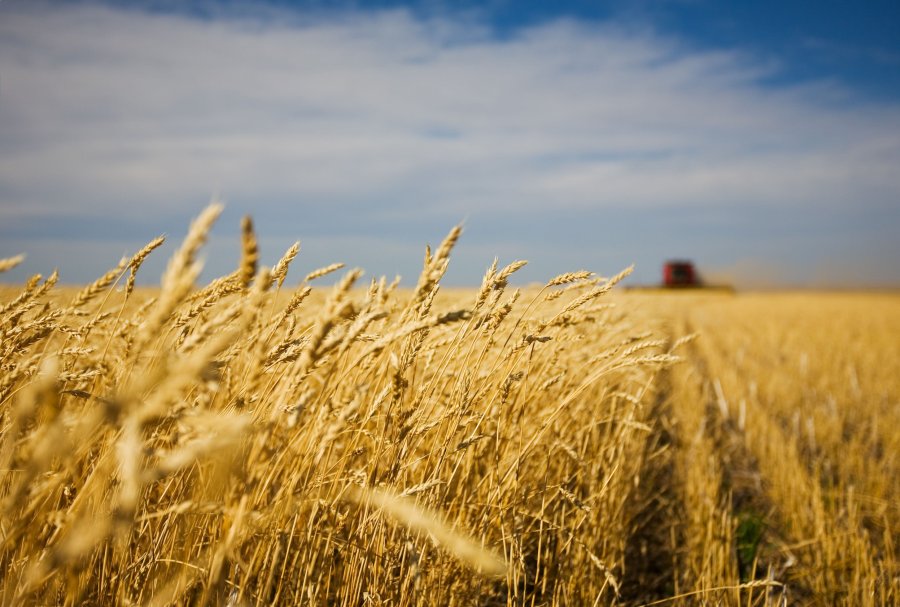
{"x":681,"y":274}
{"x":678,"y":273}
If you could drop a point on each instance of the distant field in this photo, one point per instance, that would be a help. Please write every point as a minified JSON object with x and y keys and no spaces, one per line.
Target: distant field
{"x":257,"y":441}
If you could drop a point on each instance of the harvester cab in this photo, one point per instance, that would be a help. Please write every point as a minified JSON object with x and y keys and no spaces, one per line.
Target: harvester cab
{"x":678,"y":273}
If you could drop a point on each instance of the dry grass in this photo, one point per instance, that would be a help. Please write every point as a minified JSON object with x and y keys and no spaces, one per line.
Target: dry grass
{"x":241,"y":444}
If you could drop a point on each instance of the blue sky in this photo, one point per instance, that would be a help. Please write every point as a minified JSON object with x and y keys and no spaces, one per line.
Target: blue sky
{"x":759,"y":139}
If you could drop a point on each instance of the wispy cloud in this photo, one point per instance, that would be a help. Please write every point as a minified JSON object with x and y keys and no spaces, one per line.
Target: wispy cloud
{"x":363,"y":123}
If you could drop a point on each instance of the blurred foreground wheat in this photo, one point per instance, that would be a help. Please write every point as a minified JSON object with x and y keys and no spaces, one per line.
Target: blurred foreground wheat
{"x":237,"y":443}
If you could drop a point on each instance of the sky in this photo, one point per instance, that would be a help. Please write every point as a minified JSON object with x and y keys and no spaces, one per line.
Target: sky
{"x":760,"y":140}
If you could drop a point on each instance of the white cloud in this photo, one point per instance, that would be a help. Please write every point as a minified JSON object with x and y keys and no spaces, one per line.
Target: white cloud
{"x":111,"y":112}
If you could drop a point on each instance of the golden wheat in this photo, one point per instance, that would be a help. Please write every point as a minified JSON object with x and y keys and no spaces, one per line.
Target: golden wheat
{"x":233,"y":444}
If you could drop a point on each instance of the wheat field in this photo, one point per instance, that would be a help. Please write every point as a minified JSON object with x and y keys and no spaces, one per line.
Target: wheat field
{"x":259,"y":441}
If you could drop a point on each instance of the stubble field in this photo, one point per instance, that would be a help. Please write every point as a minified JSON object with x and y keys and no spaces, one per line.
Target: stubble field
{"x":256,"y":441}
